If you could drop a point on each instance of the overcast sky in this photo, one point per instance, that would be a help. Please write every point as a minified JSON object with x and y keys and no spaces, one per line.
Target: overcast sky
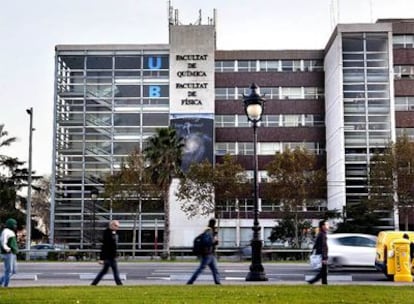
{"x":29,"y":31}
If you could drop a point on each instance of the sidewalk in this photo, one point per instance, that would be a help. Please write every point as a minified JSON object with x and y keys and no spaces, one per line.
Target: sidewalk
{"x":209,"y":281}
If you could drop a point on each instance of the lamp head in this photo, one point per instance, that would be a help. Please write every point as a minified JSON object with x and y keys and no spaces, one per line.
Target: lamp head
{"x":254,"y":104}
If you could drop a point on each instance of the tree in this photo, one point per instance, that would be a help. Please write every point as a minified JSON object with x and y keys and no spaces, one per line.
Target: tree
{"x":130,"y":187}
{"x":11,"y":180}
{"x":205,"y":186}
{"x":295,"y":179}
{"x":286,"y":231}
{"x":391,"y":178}
{"x":41,"y":204}
{"x":164,"y":154}
{"x":360,"y":218}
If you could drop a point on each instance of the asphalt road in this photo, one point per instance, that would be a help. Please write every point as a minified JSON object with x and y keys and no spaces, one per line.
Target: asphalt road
{"x":153,"y":273}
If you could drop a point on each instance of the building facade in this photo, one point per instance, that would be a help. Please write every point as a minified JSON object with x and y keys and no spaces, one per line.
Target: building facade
{"x":343,"y":103}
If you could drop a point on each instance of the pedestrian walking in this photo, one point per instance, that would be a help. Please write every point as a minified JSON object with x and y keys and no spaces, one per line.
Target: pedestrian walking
{"x":321,"y":247}
{"x":109,"y":253}
{"x":208,"y":257}
{"x":9,"y":249}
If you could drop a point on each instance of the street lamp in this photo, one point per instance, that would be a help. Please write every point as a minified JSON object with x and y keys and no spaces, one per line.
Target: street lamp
{"x":254,"y":108}
{"x":29,"y":189}
{"x":94,"y":197}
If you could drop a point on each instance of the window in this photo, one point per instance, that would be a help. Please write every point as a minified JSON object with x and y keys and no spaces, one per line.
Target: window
{"x":403,"y":71}
{"x":223,"y":121}
{"x":224,"y":66}
{"x":403,"y":41}
{"x":225,"y":93}
{"x":312,"y":65}
{"x":271,"y":120}
{"x":313,"y":92}
{"x":269,"y":66}
{"x":155,"y":119}
{"x":99,"y":62}
{"x":270,"y":92}
{"x":404,"y":103}
{"x":269,"y":148}
{"x":242,"y":121}
{"x":287,"y":65}
{"x":225,"y":148}
{"x":127,"y":62}
{"x":292,"y":120}
{"x":291,"y":93}
{"x":245,"y":148}
{"x":246,"y":65}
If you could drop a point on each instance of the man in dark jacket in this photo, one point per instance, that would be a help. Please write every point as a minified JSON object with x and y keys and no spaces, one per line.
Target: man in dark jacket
{"x":109,"y":253}
{"x":321,"y":247}
{"x":208,"y":258}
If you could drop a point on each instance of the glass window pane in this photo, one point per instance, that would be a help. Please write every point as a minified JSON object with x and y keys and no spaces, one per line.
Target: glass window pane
{"x":99,"y":62}
{"x":128,"y":62}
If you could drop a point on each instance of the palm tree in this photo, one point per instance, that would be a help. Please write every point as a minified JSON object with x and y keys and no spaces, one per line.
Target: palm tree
{"x":5,"y":141}
{"x":164,"y":154}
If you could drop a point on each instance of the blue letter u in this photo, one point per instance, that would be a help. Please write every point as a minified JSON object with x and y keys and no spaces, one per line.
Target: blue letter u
{"x":151,"y":64}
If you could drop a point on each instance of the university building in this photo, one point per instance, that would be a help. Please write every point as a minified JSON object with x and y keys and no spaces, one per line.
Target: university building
{"x":343,"y":103}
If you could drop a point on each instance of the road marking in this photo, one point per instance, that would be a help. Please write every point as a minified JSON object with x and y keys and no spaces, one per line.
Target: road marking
{"x":24,"y":276}
{"x":91,"y":276}
{"x":347,"y":278}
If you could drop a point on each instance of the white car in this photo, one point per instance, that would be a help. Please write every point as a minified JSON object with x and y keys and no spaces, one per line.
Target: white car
{"x":41,"y":251}
{"x":351,"y":249}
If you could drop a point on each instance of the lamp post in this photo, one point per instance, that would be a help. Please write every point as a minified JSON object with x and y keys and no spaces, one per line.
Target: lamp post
{"x":94,"y":197}
{"x":29,"y":189}
{"x":254,"y":108}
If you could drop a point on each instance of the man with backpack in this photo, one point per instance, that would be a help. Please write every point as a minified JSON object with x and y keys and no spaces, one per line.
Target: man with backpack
{"x":207,"y":243}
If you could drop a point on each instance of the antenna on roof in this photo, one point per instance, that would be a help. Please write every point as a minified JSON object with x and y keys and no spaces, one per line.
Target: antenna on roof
{"x":170,"y":13}
{"x":371,"y":17}
{"x":334,"y":11}
{"x":199,"y":17}
{"x":176,"y":22}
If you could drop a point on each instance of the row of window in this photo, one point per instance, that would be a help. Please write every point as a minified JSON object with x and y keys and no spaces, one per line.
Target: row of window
{"x":404,"y":103}
{"x":403,"y":71}
{"x":117,"y":148}
{"x":121,"y":104}
{"x":409,"y":132}
{"x":268,"y":65}
{"x":127,"y":62}
{"x":281,"y":120}
{"x":266,"y":148}
{"x":102,"y":91}
{"x":271,"y":93}
{"x":403,"y":41}
{"x":118,"y":119}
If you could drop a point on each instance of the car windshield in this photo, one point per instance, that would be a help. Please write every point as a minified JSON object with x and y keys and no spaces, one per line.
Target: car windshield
{"x":356,"y":241}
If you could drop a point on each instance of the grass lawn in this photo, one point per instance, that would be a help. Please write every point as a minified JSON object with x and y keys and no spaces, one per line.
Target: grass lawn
{"x":201,"y":294}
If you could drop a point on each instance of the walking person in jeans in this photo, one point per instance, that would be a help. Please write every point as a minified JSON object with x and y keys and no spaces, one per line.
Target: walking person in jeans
{"x":9,"y":249}
{"x":208,"y":257}
{"x":321,"y":247}
{"x":109,"y":253}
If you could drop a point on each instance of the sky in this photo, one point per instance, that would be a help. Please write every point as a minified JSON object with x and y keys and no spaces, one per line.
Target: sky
{"x":29,"y":31}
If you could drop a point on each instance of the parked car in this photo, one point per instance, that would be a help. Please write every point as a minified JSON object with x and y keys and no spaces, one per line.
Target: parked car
{"x":43,"y":251}
{"x":351,"y":249}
